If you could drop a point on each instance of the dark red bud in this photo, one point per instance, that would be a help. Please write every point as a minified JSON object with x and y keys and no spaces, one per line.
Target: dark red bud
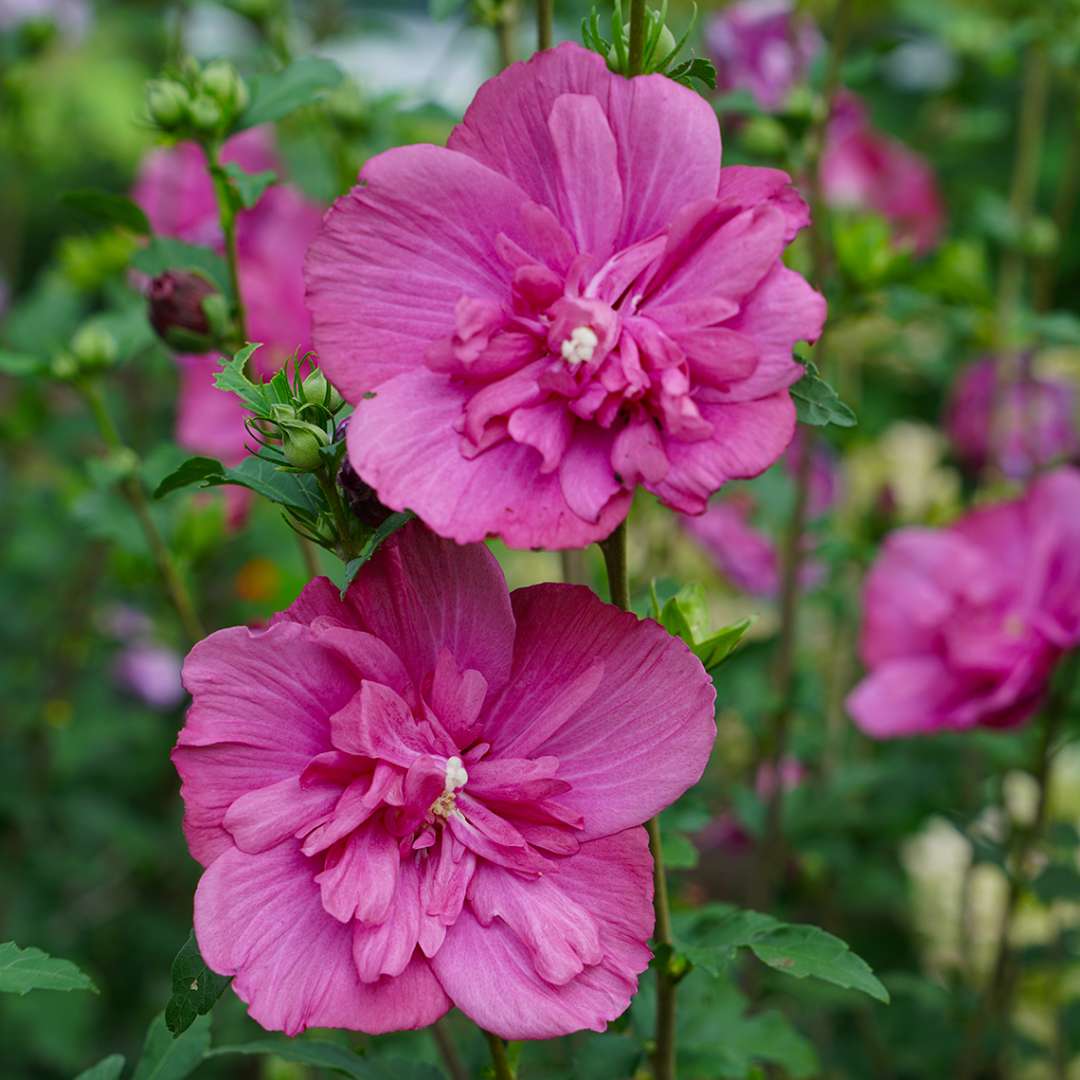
{"x":359,"y":496}
{"x":176,"y":302}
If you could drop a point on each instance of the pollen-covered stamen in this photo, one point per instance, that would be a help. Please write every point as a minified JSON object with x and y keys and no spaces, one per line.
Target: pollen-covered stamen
{"x":456,"y":777}
{"x":579,"y":347}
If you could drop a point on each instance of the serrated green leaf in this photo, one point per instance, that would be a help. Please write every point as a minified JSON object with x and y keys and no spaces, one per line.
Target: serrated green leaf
{"x":233,"y":379}
{"x":699,"y":68}
{"x":279,"y":93}
{"x":297,"y":491}
{"x":710,"y":936}
{"x":810,"y":952}
{"x":23,"y":970}
{"x":108,"y":1068}
{"x":324,"y":1055}
{"x":817,"y":403}
{"x":195,"y":988}
{"x":167,"y":253}
{"x":109,"y":209}
{"x":249,"y":187}
{"x":196,"y":470}
{"x":371,"y":545}
{"x":166,"y":1058}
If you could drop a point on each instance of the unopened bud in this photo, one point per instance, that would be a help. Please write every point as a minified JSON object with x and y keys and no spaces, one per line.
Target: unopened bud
{"x":301,"y":444}
{"x":206,"y":114}
{"x":93,"y":347}
{"x":221,"y":81}
{"x":360,"y":497}
{"x":317,"y":391}
{"x":176,"y":303}
{"x":167,"y":103}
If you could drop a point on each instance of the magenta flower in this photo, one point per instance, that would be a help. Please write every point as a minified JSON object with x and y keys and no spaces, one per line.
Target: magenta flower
{"x":763,"y":47}
{"x":963,"y":626}
{"x":175,"y":191}
{"x":570,"y":300}
{"x":151,"y":673}
{"x":864,"y":170}
{"x":431,"y":793}
{"x":1036,"y":424}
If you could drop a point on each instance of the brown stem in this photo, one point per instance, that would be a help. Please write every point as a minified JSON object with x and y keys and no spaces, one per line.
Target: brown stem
{"x":545,"y":18}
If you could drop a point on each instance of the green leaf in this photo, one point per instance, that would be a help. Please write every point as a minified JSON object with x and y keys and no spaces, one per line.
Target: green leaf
{"x":249,"y":186}
{"x":167,"y":253}
{"x":22,"y":970}
{"x":371,"y":545}
{"x":297,"y":491}
{"x":699,"y":68}
{"x":19,"y":364}
{"x":817,"y":403}
{"x":109,"y":208}
{"x":324,"y":1055}
{"x":108,"y":1068}
{"x":166,"y":1058}
{"x":1057,"y":327}
{"x":233,"y":378}
{"x":737,"y":101}
{"x":808,"y":951}
{"x":714,"y":650}
{"x":1059,"y":881}
{"x":679,"y":851}
{"x":195,"y":988}
{"x":281,"y":92}
{"x":710,"y":936}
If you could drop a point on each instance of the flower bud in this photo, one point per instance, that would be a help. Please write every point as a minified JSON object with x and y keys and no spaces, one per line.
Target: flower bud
{"x":360,"y":498}
{"x":93,"y":347}
{"x":301,"y":443}
{"x":207,"y":116}
{"x":176,"y":303}
{"x":317,"y":391}
{"x":167,"y":103}
{"x":221,"y":81}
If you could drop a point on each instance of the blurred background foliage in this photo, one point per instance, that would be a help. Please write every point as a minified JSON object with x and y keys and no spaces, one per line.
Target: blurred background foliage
{"x":895,"y":847}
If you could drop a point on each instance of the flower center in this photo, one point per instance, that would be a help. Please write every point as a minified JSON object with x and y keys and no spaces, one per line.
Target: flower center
{"x":579,"y":347}
{"x":456,"y":777}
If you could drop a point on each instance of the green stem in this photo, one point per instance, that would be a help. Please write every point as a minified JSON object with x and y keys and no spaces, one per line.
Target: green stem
{"x":308,"y":556}
{"x":346,"y":548}
{"x":227,"y":217}
{"x":1045,"y":276}
{"x":545,"y":18}
{"x":616,"y":561}
{"x":505,"y":18}
{"x":637,"y":37}
{"x":575,"y":568}
{"x":132,"y":489}
{"x":448,"y":1051}
{"x":499,"y":1058}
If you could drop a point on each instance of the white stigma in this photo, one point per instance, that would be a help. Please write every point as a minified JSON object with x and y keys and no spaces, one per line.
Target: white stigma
{"x":456,"y":777}
{"x":579,"y":347}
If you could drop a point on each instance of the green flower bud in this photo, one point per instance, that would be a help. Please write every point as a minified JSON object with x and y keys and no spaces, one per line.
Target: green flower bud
{"x":764,"y":136}
{"x":207,"y":116}
{"x":221,"y":81}
{"x":93,"y":347}
{"x":317,"y":391}
{"x":167,"y":103}
{"x":301,"y":444}
{"x":64,"y":366}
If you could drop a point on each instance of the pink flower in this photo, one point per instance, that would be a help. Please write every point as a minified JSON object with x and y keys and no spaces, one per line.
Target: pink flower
{"x":963,"y":626}
{"x":1036,"y":422}
{"x":865,"y":170}
{"x":746,"y":555}
{"x":763,"y":47}
{"x":570,"y":300}
{"x":431,"y":793}
{"x":175,"y":191}
{"x":151,"y":673}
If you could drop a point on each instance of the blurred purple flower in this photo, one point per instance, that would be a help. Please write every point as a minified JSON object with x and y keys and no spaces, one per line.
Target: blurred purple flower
{"x":864,"y":170}
{"x":963,"y":626}
{"x":70,"y":17}
{"x":1036,"y":424}
{"x":763,"y":47}
{"x":150,"y":673}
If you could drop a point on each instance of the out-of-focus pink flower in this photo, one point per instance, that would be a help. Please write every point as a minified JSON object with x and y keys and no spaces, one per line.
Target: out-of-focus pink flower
{"x":762,"y":46}
{"x":431,"y":792}
{"x":152,"y":673}
{"x":1035,"y":425}
{"x":571,"y":300}
{"x":727,"y":833}
{"x":744,"y":554}
{"x":865,"y":170}
{"x":962,"y":626}
{"x":175,"y":191}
